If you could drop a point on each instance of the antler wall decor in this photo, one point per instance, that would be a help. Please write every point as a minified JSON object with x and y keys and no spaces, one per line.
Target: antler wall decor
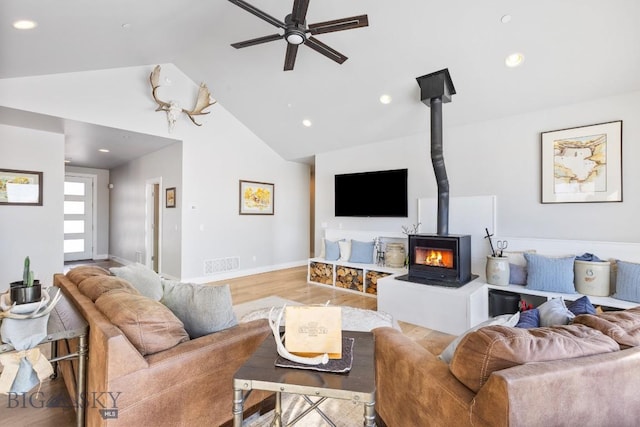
{"x":173,"y":109}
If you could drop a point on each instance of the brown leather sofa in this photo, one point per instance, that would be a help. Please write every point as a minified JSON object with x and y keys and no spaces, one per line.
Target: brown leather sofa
{"x":583,"y":374}
{"x":189,"y":384}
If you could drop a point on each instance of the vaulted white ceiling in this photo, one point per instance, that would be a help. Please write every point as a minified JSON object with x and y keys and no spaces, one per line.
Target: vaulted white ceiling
{"x":575,"y":50}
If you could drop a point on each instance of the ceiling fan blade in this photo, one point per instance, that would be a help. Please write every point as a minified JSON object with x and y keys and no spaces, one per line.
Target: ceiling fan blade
{"x":257,"y":12}
{"x":256,"y":41}
{"x":322,"y":48}
{"x":299,"y":12}
{"x":339,"y":25}
{"x":290,"y":58}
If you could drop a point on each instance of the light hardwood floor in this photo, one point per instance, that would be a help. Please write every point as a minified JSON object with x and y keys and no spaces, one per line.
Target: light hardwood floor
{"x":289,"y":283}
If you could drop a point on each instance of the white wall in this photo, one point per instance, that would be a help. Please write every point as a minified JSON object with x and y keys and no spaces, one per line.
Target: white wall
{"x":101,"y":210}
{"x":502,"y":158}
{"x":128,"y":208}
{"x":215,"y":157}
{"x":34,"y":231}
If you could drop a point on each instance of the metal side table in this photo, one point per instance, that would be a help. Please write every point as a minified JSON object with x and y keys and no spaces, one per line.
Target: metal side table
{"x":260,"y":373}
{"x":65,"y":322}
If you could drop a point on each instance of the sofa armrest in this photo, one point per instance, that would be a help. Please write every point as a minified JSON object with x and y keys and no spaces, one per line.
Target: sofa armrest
{"x":414,"y":387}
{"x":592,"y":390}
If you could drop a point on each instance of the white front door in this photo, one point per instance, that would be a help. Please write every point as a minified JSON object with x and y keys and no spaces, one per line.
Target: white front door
{"x":78,"y":218}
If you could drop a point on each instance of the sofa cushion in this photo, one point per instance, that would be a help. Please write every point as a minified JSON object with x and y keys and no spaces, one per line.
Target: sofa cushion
{"x":554,"y":312}
{"x":142,"y":278}
{"x":150,"y":326}
{"x":551,"y":274}
{"x":361,"y":252}
{"x":81,"y":272}
{"x":503,"y":319}
{"x":494,"y":348}
{"x":93,"y":287}
{"x":628,"y":281}
{"x":203,"y":309}
{"x":623,"y":326}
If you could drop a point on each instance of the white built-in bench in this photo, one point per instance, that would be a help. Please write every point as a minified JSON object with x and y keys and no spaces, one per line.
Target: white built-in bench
{"x":354,"y":277}
{"x":454,"y":310}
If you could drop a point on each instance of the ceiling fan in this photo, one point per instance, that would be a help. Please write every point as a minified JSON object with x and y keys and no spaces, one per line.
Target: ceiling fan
{"x":297,"y":32}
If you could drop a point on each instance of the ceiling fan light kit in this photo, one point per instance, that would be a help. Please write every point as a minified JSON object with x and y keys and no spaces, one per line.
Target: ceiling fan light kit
{"x":297,"y":32}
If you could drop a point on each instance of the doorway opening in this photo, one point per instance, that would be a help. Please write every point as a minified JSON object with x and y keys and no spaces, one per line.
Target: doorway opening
{"x":79,"y":217}
{"x":153,"y":224}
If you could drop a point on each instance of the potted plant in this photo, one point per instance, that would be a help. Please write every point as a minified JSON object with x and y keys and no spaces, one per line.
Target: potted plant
{"x":26,"y":290}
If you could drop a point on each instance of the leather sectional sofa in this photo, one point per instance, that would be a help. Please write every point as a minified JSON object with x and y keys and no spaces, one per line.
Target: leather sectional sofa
{"x":187,"y":384}
{"x":583,"y":374}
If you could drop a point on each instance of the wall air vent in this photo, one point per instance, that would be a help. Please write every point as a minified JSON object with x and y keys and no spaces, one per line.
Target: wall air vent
{"x":219,"y":265}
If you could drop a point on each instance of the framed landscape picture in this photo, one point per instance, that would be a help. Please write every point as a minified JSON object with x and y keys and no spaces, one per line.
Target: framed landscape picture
{"x":256,"y":198}
{"x":170,"y":197}
{"x":582,"y":164}
{"x":19,"y":187}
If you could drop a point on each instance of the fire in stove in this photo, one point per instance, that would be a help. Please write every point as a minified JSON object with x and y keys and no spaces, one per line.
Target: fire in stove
{"x":434,"y":257}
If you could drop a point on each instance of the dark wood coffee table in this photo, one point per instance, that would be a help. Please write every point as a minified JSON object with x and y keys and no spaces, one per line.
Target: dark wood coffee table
{"x":260,"y":373}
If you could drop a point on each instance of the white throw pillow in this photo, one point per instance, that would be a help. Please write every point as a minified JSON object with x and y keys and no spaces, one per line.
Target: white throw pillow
{"x":345,"y":250}
{"x":503,"y":320}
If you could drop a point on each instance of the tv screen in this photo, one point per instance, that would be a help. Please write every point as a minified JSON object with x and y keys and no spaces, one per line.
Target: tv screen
{"x":372,"y":194}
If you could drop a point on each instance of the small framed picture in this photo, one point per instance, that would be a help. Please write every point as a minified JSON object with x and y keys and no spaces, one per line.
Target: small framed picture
{"x":582,"y":164}
{"x":256,"y":198}
{"x":170,"y":197}
{"x":19,"y":187}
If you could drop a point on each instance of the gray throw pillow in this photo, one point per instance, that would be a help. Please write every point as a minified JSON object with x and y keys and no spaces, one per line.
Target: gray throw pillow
{"x":554,"y":312}
{"x":144,"y":279}
{"x":550,"y":274}
{"x":203,"y":309}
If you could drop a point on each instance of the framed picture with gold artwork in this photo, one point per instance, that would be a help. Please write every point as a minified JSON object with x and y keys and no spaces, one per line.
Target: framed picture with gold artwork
{"x":256,"y":198}
{"x":18,"y":187}
{"x":170,"y":197}
{"x":582,"y":164}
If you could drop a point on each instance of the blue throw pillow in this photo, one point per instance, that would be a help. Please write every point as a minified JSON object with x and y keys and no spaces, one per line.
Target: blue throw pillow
{"x":550,"y":274}
{"x":581,"y":306}
{"x":529,"y":319}
{"x":361,"y":252}
{"x":332,"y":250}
{"x":517,"y":274}
{"x":628,"y":281}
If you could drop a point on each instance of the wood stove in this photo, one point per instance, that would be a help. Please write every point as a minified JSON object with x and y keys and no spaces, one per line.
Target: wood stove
{"x":440,"y":260}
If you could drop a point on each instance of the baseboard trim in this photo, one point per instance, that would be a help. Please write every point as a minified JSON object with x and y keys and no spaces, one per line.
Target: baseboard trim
{"x":246,"y":272}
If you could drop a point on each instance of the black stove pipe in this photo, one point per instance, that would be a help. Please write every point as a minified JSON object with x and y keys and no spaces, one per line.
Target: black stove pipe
{"x":437,"y":160}
{"x":436,"y":88}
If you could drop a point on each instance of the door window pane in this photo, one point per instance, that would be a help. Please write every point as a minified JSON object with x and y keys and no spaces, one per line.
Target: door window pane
{"x":73,"y":245}
{"x":74,"y":208}
{"x":73,"y":226}
{"x":74,"y":188}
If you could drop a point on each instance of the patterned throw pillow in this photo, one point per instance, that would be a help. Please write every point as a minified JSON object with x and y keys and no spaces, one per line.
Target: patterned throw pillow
{"x":529,"y":319}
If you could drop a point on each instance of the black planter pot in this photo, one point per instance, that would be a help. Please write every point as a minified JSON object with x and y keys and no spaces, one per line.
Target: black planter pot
{"x":22,"y":294}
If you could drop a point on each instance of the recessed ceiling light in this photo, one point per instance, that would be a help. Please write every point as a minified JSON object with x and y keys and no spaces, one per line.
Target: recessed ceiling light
{"x":306,"y":122}
{"x":25,"y":24}
{"x":103,"y":150}
{"x":505,"y":19}
{"x":385,"y":99}
{"x":126,"y":26}
{"x":67,"y":160}
{"x":514,"y":60}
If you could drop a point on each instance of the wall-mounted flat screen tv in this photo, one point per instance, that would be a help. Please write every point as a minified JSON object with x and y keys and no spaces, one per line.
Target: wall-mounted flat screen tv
{"x":372,"y":194}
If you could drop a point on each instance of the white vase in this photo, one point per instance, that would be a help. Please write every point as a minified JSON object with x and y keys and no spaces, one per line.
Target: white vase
{"x":497,"y":270}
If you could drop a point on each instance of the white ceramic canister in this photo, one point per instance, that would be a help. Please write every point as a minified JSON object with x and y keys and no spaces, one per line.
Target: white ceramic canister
{"x":497,"y":270}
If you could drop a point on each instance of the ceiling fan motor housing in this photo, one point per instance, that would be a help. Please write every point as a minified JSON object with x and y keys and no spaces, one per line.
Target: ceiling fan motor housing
{"x":295,"y":32}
